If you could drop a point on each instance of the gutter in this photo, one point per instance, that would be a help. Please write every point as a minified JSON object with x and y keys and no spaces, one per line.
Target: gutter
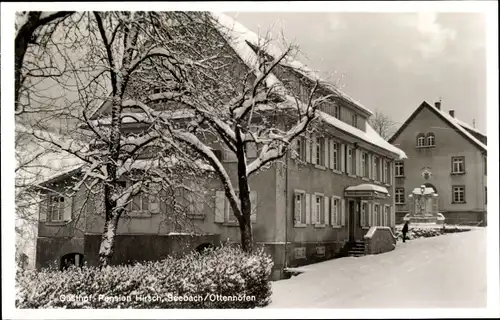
{"x":286,"y":208}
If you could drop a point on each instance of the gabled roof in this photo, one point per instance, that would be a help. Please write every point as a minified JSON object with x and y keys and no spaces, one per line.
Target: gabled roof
{"x":451,"y":121}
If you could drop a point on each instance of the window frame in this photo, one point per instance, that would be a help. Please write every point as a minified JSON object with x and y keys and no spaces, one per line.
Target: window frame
{"x":322,"y":218}
{"x":336,"y":155}
{"x":461,"y":160}
{"x":303,"y":213}
{"x":453,"y":201}
{"x":421,"y":137}
{"x":60,"y":206}
{"x":335,"y":218}
{"x":399,"y":165}
{"x":433,"y":136}
{"x":401,"y":194}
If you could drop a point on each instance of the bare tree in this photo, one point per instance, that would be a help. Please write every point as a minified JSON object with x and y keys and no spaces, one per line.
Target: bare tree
{"x":382,"y":124}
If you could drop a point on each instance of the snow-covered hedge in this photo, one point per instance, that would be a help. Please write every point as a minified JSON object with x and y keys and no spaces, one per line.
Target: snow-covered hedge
{"x":415,"y":233}
{"x":222,"y":278}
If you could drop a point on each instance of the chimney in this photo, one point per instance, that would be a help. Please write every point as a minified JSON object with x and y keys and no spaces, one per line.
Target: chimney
{"x":452,"y":113}
{"x":437,"y":104}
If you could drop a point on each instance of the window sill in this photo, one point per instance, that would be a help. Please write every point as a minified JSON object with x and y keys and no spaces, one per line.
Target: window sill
{"x":300,"y":225}
{"x":352,"y":176}
{"x":400,"y":177}
{"x":319,"y":226}
{"x":336,"y":171}
{"x":337,"y":227}
{"x":425,"y":147}
{"x":230,"y":224}
{"x":400,"y":204}
{"x":56,"y":223}
{"x":365,"y":179}
{"x":365,"y":228}
{"x":317,"y":166}
{"x":377,"y":182}
{"x":464,"y":202}
{"x":387,"y":185}
{"x":457,"y":173}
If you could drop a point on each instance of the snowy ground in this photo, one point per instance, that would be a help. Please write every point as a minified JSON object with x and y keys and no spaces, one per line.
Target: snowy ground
{"x":448,"y":271}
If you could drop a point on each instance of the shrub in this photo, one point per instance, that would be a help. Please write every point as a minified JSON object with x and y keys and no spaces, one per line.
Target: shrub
{"x":225,"y":277}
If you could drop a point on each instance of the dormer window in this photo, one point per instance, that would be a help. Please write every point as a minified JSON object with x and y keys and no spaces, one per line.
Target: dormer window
{"x":421,"y":140}
{"x":431,"y":141}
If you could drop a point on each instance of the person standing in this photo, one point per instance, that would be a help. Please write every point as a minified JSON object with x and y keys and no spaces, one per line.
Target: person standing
{"x":405,"y":230}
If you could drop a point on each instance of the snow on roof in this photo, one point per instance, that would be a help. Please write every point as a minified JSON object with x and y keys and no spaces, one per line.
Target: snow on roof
{"x":469,"y":127}
{"x":367,"y":187}
{"x":458,"y":126}
{"x":237,"y":35}
{"x":135,"y":117}
{"x":370,"y":136}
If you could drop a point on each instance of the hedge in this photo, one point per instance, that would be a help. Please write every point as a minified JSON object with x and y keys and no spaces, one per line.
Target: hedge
{"x":225,"y":277}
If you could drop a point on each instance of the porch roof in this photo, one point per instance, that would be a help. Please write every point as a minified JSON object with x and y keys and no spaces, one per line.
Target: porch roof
{"x":367,"y":187}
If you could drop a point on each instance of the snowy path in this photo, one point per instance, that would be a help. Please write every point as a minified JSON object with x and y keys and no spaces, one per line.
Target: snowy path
{"x":448,"y":271}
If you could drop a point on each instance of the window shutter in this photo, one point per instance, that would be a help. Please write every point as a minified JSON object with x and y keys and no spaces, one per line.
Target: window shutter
{"x":327,"y":211}
{"x":220,"y":200}
{"x":370,"y":218}
{"x":342,"y":211}
{"x":331,"y":152}
{"x":314,"y":151}
{"x":253,"y":201}
{"x":308,"y":149}
{"x":342,"y":158}
{"x":370,"y":163}
{"x":325,"y":152}
{"x":332,"y":210}
{"x":308,"y":208}
{"x":44,"y":208}
{"x":349,"y":161}
{"x":314,"y":216}
{"x":384,"y":163}
{"x":68,"y":208}
{"x":358,"y":162}
{"x":296,"y":215}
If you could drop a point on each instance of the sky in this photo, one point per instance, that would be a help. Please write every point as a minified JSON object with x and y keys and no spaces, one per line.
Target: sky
{"x":391,"y":62}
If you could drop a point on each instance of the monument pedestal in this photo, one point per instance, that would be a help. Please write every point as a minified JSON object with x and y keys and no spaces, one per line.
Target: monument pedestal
{"x":424,"y":208}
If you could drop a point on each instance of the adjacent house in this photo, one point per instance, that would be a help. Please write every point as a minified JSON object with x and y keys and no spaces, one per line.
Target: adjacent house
{"x":448,"y":155}
{"x":325,"y":194}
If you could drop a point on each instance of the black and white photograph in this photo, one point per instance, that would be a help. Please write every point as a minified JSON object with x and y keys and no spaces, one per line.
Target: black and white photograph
{"x":285,"y":159}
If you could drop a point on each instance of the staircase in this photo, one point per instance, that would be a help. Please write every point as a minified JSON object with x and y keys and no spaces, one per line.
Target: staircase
{"x":356,"y":248}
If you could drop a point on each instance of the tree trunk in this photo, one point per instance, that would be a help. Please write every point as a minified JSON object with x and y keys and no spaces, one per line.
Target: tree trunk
{"x":108,"y":241}
{"x":246,"y":235}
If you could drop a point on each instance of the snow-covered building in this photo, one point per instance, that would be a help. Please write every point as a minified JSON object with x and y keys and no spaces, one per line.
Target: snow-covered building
{"x":448,"y":155}
{"x":336,"y":184}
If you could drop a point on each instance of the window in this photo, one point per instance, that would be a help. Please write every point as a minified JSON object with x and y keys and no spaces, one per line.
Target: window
{"x":319,"y":209}
{"x":458,"y":194}
{"x":376,"y":214}
{"x":228,"y":154}
{"x":335,"y":112}
{"x":336,"y":156}
{"x":376,"y":168}
{"x":421,"y":140}
{"x":400,"y":195}
{"x":431,"y":139}
{"x":301,"y":148}
{"x":400,"y":172}
{"x":364,"y":214}
{"x":387,"y":172}
{"x":458,"y":165}
{"x":364,"y":164}
{"x":387,"y":214}
{"x":300,"y":207}
{"x":354,"y":120}
{"x":335,"y":212}
{"x":320,"y":151}
{"x":350,"y":167}
{"x":56,"y":208}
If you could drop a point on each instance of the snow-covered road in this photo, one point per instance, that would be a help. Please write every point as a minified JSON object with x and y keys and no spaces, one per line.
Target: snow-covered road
{"x":448,"y":271}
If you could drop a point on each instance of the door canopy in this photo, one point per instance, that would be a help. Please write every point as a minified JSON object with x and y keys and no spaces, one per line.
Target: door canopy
{"x":366,"y":190}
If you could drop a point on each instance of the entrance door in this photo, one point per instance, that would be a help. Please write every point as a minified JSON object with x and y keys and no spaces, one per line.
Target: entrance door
{"x":351,"y":210}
